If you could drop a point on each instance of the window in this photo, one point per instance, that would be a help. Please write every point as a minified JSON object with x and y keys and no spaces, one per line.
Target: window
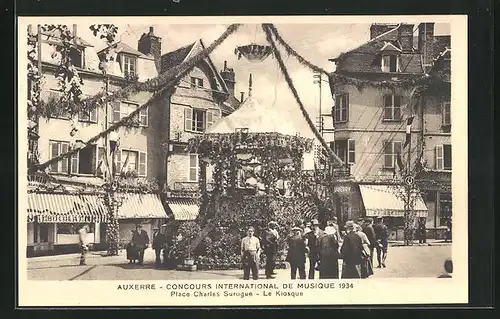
{"x":391,"y":149}
{"x":390,"y":63}
{"x":445,"y":204}
{"x":129,"y":63}
{"x":446,"y":114}
{"x":55,"y":97}
{"x":392,"y":107}
{"x":341,"y":108}
{"x":346,"y":150}
{"x":351,"y":153}
{"x":196,"y":82}
{"x":123,"y":109}
{"x":72,"y":229}
{"x":85,"y":161}
{"x":57,"y":148}
{"x":76,"y":57}
{"x":196,"y":120}
{"x":443,"y":157}
{"x":101,"y":166}
{"x":88,"y":116}
{"x":131,"y":161}
{"x":193,"y":168}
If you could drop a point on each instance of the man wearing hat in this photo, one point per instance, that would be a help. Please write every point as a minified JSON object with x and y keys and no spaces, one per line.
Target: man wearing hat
{"x":311,"y":239}
{"x":270,"y":246}
{"x":296,"y":254}
{"x":158,"y":244}
{"x":370,"y":233}
{"x":351,"y":252}
{"x":140,"y":240}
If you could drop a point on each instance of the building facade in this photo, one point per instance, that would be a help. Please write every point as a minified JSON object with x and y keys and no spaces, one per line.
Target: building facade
{"x":371,"y":122}
{"x":149,"y":148}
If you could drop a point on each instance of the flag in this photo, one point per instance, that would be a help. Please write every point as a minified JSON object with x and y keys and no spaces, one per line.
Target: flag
{"x":408,"y":130}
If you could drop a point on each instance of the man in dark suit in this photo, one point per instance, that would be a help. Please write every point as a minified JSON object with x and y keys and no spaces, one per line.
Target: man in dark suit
{"x":270,"y":247}
{"x":382,"y":237}
{"x":296,"y":254}
{"x":158,"y":245}
{"x":140,"y":240}
{"x":311,"y":239}
{"x":370,"y":234}
{"x":351,"y":252}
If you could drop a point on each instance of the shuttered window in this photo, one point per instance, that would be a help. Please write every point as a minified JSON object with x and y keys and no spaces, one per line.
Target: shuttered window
{"x":391,"y":149}
{"x":351,"y":151}
{"x":193,"y":168}
{"x":122,"y":109}
{"x":58,"y":148}
{"x":341,"y":108}
{"x":392,"y":107}
{"x":443,"y":157}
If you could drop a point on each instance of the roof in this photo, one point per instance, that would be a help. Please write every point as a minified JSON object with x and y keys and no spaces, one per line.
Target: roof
{"x":121,"y":47}
{"x":176,"y":57}
{"x":230,"y":105}
{"x":366,"y":57}
{"x":258,"y":119}
{"x":54,"y":34}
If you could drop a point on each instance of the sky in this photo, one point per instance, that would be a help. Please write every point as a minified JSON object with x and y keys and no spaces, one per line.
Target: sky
{"x":315,"y":42}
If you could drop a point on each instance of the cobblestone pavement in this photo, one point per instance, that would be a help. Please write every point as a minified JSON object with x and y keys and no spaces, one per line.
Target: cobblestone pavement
{"x":414,"y":261}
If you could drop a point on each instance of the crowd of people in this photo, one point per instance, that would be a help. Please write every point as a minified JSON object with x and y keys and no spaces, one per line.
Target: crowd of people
{"x":356,"y":245}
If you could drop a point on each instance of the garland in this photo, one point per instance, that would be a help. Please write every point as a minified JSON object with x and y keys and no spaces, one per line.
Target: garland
{"x":166,"y":81}
{"x":420,"y":81}
{"x":289,"y":81}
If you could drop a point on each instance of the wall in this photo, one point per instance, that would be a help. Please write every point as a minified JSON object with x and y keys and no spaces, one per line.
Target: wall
{"x":433,"y":131}
{"x":367,"y":128}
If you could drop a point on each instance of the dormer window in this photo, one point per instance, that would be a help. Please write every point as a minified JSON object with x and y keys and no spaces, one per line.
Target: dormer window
{"x":76,"y":56}
{"x":196,"y":82}
{"x":129,"y":65}
{"x":390,"y":63}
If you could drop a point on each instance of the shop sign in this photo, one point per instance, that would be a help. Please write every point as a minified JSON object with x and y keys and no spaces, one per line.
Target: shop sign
{"x":342,"y":189}
{"x":67,"y":219}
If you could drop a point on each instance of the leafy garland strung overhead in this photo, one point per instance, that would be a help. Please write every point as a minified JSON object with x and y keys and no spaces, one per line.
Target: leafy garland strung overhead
{"x":419,"y":81}
{"x":159,"y":85}
{"x":335,"y":159}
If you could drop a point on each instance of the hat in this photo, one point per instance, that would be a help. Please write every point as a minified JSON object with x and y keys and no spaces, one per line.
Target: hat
{"x":164,"y":225}
{"x":155,"y":227}
{"x":138,"y":226}
{"x":272,"y":223}
{"x":308,"y":223}
{"x":369,"y":220}
{"x":314,"y":222}
{"x":329,"y":230}
{"x":349,"y":224}
{"x":296,"y":228}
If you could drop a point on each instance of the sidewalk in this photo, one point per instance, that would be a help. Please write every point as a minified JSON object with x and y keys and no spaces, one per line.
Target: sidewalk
{"x":430,"y":242}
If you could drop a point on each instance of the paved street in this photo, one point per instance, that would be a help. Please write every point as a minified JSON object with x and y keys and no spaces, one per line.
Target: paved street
{"x":415,"y":261}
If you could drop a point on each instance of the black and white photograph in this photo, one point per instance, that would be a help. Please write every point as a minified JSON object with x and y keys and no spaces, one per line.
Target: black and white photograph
{"x":200,"y":158}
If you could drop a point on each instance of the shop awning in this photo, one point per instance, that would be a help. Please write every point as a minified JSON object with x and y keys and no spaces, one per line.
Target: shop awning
{"x":183,"y":209}
{"x":141,"y":206}
{"x":65,"y":208}
{"x":382,"y":201}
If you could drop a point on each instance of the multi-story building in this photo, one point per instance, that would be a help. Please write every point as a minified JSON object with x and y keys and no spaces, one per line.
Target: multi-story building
{"x":143,"y":154}
{"x":370,"y":119}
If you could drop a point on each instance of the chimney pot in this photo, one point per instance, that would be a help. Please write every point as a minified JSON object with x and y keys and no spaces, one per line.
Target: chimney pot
{"x":151,"y":29}
{"x":74,"y":30}
{"x":225,"y":65}
{"x":242,"y":96}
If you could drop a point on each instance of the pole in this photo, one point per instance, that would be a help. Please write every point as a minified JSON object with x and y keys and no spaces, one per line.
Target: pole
{"x":408,"y":219}
{"x":320,"y":114}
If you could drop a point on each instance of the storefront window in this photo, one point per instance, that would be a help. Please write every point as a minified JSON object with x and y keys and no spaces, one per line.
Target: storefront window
{"x":72,"y":229}
{"x":44,"y":233}
{"x":445,"y":209}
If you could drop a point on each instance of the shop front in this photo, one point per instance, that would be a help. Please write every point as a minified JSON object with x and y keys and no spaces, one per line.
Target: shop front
{"x":139,"y":208}
{"x":383,"y":201}
{"x":54,"y":220}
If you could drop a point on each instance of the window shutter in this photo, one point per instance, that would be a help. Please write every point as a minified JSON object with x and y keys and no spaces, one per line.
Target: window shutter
{"x":144,"y":116}
{"x":210,"y":118}
{"x":193,"y":167}
{"x":188,"y":119}
{"x":100,"y":160}
{"x":397,"y":107}
{"x":64,"y":162}
{"x":142,"y":164}
{"x":439,"y":157}
{"x":93,"y":115}
{"x":387,"y":107}
{"x":351,"y":148}
{"x":118,"y":161}
{"x":54,"y":152}
{"x":337,"y":109}
{"x":388,"y":155}
{"x":75,"y":163}
{"x":115,"y":109}
{"x":345,"y":105}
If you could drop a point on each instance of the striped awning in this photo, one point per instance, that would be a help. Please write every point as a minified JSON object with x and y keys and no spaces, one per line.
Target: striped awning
{"x":183,"y":209}
{"x":65,"y":208}
{"x":382,"y":201}
{"x":141,"y":206}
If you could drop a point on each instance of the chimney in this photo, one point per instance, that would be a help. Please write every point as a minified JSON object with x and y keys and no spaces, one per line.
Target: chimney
{"x":74,"y":30}
{"x":150,"y":44}
{"x":406,"y":37}
{"x":242,"y":96}
{"x":378,"y":29}
{"x":426,"y":43}
{"x":228,"y":76}
{"x":250,"y":85}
